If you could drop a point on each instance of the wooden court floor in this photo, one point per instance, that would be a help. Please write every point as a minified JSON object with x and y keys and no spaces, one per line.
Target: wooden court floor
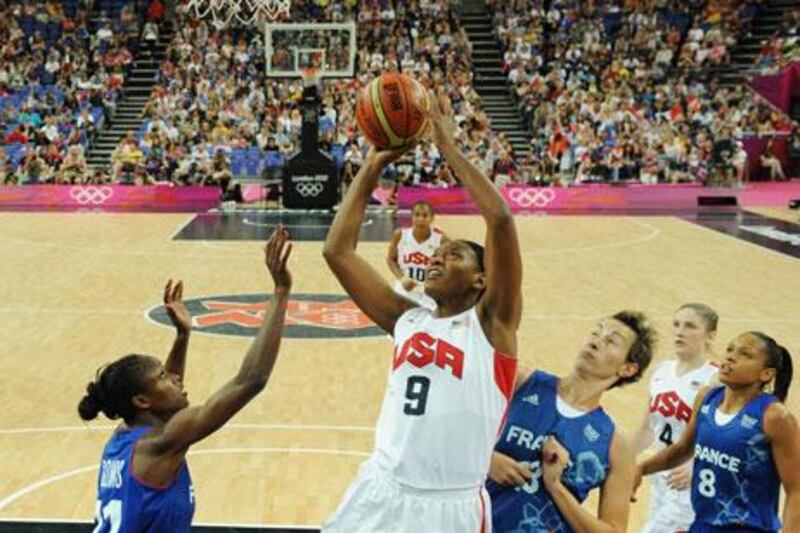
{"x":76,"y":287}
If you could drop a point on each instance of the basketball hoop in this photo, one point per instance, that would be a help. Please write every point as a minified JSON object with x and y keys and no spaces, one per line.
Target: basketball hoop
{"x":248,"y":12}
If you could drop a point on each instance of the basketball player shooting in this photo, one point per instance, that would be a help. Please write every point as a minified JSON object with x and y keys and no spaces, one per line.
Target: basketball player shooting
{"x":453,"y":368}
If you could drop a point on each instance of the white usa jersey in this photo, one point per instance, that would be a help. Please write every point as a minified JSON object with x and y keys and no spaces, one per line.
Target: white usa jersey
{"x":672,"y":398}
{"x":671,"y":401}
{"x":445,"y":402}
{"x":414,"y":257}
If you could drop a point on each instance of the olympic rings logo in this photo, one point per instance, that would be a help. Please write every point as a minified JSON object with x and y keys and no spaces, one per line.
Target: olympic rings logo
{"x":530,"y":197}
{"x":90,"y":195}
{"x":309,"y":189}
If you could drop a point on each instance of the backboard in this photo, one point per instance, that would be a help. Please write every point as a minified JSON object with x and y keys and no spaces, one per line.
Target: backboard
{"x":329,"y":47}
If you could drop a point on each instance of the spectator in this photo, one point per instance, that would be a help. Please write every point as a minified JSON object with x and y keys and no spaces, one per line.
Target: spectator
{"x":149,"y":37}
{"x":73,"y":168}
{"x":770,"y":161}
{"x":34,"y":170}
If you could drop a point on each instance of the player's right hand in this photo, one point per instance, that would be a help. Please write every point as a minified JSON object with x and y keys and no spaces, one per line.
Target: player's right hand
{"x":506,"y":471}
{"x":176,"y":309}
{"x":408,"y":284}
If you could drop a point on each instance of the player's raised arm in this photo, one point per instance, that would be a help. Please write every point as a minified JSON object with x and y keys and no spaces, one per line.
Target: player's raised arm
{"x":501,"y":305}
{"x":194,"y":423}
{"x":365,"y":285}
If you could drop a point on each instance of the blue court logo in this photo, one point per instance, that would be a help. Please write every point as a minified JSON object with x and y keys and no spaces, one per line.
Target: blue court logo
{"x":309,"y":316}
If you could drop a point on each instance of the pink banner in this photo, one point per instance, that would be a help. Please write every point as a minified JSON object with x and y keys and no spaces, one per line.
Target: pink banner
{"x":779,"y":88}
{"x":108,"y":198}
{"x":523,"y":199}
{"x":775,"y":194}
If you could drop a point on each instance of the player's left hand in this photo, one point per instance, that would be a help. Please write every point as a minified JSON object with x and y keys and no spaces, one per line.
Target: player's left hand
{"x":680,"y":478}
{"x":440,"y":115}
{"x":555,"y":459}
{"x":176,"y":309}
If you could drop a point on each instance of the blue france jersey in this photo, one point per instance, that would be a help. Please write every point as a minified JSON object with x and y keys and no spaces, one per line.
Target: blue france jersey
{"x":532,"y":417}
{"x":127,"y":505}
{"x":734,"y":482}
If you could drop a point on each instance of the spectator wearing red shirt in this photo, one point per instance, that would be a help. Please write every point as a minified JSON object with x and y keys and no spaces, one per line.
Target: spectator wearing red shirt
{"x":156,"y":11}
{"x":17,"y":136}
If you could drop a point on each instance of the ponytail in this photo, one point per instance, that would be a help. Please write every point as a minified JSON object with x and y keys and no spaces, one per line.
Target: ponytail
{"x":784,"y":378}
{"x":780,"y":359}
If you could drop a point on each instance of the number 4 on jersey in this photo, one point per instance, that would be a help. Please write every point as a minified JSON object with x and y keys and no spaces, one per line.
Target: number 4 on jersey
{"x":666,"y":435}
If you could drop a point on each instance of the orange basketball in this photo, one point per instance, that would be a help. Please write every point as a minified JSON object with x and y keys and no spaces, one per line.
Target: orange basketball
{"x":389,"y":110}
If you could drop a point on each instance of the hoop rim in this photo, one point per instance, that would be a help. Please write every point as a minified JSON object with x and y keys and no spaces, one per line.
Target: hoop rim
{"x":309,"y":73}
{"x":310,"y":76}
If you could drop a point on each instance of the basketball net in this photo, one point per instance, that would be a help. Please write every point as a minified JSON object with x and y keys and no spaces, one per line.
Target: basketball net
{"x":248,"y":12}
{"x":310,"y":76}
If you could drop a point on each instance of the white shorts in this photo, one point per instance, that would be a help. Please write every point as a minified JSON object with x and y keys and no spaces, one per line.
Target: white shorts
{"x":417,"y":296}
{"x":670,"y":510}
{"x":375,"y":503}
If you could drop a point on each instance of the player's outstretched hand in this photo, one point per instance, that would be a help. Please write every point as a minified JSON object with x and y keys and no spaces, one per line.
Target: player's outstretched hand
{"x":276,"y":254}
{"x":176,"y":309}
{"x":506,"y":471}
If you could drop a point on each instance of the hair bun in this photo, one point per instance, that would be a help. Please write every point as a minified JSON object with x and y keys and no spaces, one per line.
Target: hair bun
{"x":91,"y":404}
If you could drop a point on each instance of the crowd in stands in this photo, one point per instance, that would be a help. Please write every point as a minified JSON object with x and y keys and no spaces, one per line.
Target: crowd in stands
{"x":61,"y":75}
{"x":613,"y":90}
{"x":617,"y":91}
{"x":214,"y":102}
{"x":783,"y":47}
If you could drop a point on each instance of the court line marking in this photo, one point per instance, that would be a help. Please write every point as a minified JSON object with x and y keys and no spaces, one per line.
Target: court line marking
{"x":198,"y":524}
{"x":653,"y":232}
{"x":246,"y":222}
{"x":24,"y":491}
{"x":256,"y":426}
{"x":228,"y":256}
{"x":161,"y":325}
{"x":739,"y":240}
{"x":181,"y":227}
{"x":657,"y":317}
{"x":39,"y":310}
{"x":526,"y":315}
